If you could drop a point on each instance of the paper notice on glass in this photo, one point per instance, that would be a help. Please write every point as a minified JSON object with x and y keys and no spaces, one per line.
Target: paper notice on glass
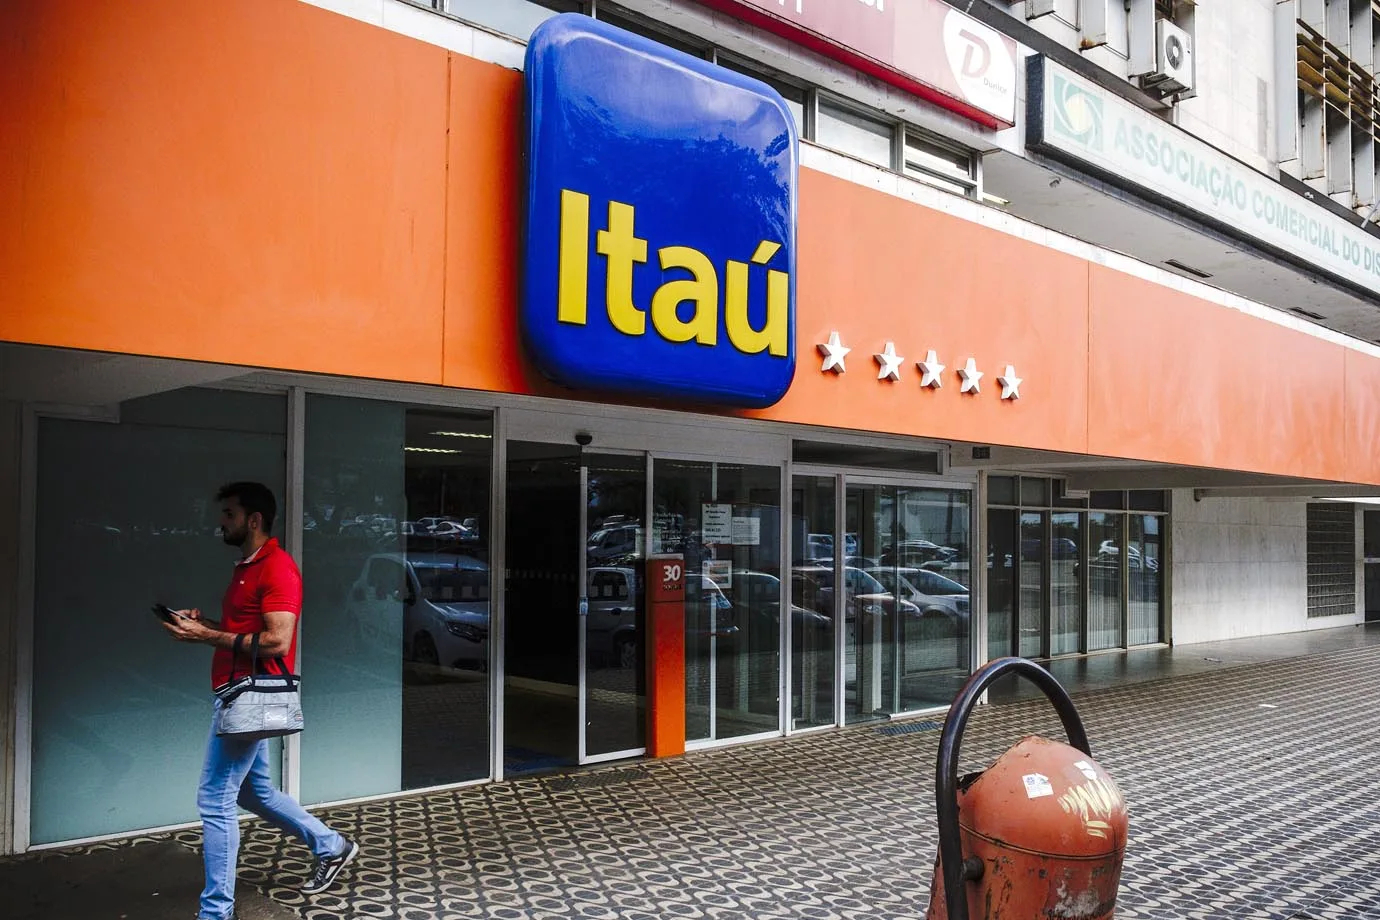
{"x":747,"y":531}
{"x":719,"y":572}
{"x":716,"y":523}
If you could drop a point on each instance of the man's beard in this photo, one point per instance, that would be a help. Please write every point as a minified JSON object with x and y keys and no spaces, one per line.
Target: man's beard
{"x":234,"y":537}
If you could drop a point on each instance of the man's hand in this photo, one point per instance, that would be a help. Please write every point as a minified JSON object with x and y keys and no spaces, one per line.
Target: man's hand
{"x":187,"y":626}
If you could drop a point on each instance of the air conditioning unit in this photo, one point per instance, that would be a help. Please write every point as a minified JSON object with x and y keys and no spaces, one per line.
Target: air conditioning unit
{"x":1173,"y":72}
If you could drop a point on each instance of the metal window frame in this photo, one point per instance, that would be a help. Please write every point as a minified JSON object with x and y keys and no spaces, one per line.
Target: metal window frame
{"x":897,"y":128}
{"x":973,"y":182}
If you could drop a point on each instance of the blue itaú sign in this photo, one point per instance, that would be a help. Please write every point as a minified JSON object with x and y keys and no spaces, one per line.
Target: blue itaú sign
{"x":661,"y":213}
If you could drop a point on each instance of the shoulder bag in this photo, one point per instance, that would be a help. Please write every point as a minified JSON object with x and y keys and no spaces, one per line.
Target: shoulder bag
{"x":258,"y":706}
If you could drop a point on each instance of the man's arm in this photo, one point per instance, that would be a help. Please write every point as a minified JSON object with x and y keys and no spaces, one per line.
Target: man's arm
{"x":275,"y":640}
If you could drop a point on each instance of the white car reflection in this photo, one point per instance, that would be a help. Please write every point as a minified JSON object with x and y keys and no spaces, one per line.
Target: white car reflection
{"x":930,"y":591}
{"x":444,"y":604}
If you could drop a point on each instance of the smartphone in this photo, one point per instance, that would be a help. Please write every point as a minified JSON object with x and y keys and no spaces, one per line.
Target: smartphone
{"x":166,"y":613}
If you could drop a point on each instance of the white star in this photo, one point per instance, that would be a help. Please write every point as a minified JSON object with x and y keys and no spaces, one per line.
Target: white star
{"x":972,"y":378}
{"x":1010,"y":384}
{"x":889,"y":363}
{"x":834,"y":353}
{"x":930,"y":369}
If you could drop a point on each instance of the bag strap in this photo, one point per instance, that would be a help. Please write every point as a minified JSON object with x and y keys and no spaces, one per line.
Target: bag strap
{"x":237,"y":651}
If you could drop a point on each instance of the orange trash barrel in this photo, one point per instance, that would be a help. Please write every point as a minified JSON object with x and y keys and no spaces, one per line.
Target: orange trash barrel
{"x":1040,"y":834}
{"x":1049,"y":826}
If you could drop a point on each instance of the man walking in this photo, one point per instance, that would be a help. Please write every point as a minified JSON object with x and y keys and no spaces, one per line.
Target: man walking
{"x":264,"y":597}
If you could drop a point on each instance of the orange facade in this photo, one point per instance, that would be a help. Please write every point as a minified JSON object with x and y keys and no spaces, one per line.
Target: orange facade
{"x":270,"y":184}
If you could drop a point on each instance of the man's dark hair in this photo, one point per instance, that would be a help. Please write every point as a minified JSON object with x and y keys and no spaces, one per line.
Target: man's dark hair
{"x":252,"y":496}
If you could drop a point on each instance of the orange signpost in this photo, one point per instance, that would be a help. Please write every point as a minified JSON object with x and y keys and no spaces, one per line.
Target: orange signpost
{"x":665,"y":655}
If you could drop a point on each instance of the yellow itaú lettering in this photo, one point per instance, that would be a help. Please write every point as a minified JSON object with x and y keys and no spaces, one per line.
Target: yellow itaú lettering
{"x":620,"y":245}
{"x":772,"y":337}
{"x":702,"y":290}
{"x":572,"y":287}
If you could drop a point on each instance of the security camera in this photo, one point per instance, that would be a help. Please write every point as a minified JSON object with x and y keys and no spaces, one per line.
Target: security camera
{"x":584,"y":438}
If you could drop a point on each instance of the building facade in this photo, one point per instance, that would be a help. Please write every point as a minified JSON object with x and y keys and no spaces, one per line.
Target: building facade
{"x":907,"y":336}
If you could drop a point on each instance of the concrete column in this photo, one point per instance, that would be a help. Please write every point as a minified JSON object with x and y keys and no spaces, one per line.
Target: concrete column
{"x":10,"y":416}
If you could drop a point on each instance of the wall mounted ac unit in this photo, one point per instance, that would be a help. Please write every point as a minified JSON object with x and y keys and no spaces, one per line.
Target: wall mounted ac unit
{"x":1173,"y":72}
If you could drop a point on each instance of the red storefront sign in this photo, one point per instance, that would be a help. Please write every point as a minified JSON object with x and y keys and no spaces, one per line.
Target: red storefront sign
{"x":925,"y":47}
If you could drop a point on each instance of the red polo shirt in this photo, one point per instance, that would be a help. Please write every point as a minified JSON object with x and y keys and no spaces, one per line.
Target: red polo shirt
{"x":267,"y":581}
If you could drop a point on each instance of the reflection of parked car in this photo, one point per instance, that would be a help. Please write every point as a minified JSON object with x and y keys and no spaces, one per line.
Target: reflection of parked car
{"x":813,"y":587}
{"x":929,"y":591}
{"x":917,"y":553}
{"x":612,"y":545}
{"x":611,"y":625}
{"x":444,"y":605}
{"x":757,"y":596}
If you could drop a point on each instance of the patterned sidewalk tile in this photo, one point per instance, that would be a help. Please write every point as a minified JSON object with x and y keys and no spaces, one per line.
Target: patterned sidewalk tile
{"x":1254,"y":791}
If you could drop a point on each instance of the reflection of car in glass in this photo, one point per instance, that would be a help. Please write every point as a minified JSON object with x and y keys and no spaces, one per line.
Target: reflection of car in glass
{"x":757,"y":596}
{"x":930,"y":591}
{"x":813,"y":586}
{"x":444,"y":601}
{"x":820,"y":546}
{"x":612,"y":545}
{"x":611,"y":624}
{"x":1059,"y":548}
{"x":919,"y":553}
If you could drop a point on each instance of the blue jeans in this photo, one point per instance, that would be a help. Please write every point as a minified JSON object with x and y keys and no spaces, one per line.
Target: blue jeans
{"x":236,"y":774}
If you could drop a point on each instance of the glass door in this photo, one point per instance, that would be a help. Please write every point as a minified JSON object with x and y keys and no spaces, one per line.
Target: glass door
{"x":613,"y":681}
{"x":905,"y":583}
{"x":813,"y":614}
{"x":574,"y":688}
{"x":725,"y":519}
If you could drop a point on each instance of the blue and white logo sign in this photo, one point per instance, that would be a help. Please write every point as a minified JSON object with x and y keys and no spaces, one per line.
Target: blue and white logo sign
{"x":661,"y":216}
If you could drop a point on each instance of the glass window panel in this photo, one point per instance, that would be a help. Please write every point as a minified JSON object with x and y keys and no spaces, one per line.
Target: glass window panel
{"x":939,"y":160}
{"x":130,"y":509}
{"x":875,"y":458}
{"x":518,"y":18}
{"x":1146,"y":500}
{"x":662,"y":37}
{"x":1371,"y":534}
{"x":1105,"y":587}
{"x":1001,"y":582}
{"x":733,"y":614}
{"x":906,"y":599}
{"x":930,"y":178}
{"x":813,"y":539}
{"x":1001,"y":490}
{"x":869,"y":623}
{"x":395,"y":633}
{"x":1113,"y":500}
{"x":931,"y":599}
{"x":1034,"y":491}
{"x":1031,"y":611}
{"x":853,"y":133}
{"x":1065,"y":590}
{"x":1146,"y":574}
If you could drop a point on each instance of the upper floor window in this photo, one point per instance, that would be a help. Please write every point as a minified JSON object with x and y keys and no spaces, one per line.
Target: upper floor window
{"x":853,"y":132}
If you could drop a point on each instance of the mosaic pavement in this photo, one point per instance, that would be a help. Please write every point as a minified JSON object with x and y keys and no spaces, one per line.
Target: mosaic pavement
{"x":1253,"y":793}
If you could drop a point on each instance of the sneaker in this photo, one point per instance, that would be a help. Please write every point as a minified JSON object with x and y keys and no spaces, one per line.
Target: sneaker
{"x":328,"y":869}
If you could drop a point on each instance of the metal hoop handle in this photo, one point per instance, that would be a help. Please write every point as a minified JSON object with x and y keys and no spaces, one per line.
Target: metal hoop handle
{"x":956,"y":873}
